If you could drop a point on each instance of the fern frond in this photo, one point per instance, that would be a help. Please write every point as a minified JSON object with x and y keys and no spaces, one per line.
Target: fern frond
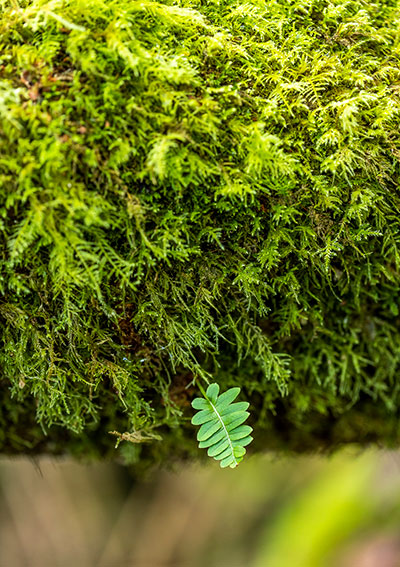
{"x":222,"y":431}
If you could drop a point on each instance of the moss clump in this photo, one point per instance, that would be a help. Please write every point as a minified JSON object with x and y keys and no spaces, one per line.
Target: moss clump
{"x":198,"y":189}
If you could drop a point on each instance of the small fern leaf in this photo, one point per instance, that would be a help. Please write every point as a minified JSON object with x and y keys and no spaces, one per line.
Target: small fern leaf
{"x":222,"y":431}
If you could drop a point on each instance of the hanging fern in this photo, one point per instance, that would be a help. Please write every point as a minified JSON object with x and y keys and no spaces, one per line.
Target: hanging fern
{"x":222,"y":430}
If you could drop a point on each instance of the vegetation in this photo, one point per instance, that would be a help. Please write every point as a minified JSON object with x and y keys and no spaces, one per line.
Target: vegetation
{"x":222,"y":431}
{"x":196,"y":191}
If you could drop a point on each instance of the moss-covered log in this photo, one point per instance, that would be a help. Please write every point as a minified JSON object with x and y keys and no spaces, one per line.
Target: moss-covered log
{"x":198,"y":190}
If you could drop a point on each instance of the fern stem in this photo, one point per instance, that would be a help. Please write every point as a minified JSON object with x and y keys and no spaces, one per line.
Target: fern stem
{"x":224,"y":428}
{"x":202,"y":390}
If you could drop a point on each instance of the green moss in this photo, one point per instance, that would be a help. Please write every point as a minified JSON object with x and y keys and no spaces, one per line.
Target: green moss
{"x":194,"y":190}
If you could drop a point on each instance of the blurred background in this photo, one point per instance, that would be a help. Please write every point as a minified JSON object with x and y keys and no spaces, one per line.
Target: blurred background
{"x":338,"y":511}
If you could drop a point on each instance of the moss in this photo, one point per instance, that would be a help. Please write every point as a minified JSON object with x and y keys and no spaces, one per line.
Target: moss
{"x":198,"y":189}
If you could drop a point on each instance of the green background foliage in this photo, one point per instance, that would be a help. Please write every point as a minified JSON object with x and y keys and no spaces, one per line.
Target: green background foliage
{"x":198,"y":190}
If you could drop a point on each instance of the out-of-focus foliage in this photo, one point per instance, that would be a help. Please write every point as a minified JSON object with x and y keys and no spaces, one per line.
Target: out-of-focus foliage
{"x":195,"y":189}
{"x":308,"y":512}
{"x":334,"y":506}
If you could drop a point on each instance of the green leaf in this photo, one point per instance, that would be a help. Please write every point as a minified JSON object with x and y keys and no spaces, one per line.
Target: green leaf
{"x":241,"y":432}
{"x":227,"y":453}
{"x":227,"y":398}
{"x":229,"y":462}
{"x":222,"y":431}
{"x":239,"y":451}
{"x":245,"y":441}
{"x":207,"y":429}
{"x":213,"y":439}
{"x":236,"y":418}
{"x":212,"y":392}
{"x":217,"y":448}
{"x":200,"y":404}
{"x":201,"y":417}
{"x":238,"y":406}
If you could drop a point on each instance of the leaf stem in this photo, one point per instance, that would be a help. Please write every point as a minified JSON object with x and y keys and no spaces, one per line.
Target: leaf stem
{"x":202,"y":390}
{"x":225,"y":429}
